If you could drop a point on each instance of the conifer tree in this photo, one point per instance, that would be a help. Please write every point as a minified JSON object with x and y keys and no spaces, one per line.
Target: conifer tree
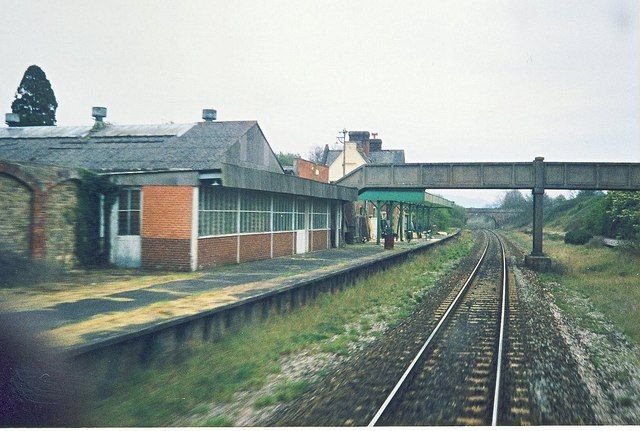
{"x":35,"y":102}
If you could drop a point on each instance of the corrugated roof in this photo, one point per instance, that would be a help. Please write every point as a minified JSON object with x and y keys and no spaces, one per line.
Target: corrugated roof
{"x":37,"y":132}
{"x":196,"y":146}
{"x":144,"y":130}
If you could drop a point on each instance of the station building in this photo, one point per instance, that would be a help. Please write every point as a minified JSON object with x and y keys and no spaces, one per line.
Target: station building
{"x":189,"y":196}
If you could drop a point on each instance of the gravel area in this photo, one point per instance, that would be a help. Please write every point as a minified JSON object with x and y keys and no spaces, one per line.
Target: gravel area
{"x":556,"y":381}
{"x":351,"y":392}
{"x":561,"y":383}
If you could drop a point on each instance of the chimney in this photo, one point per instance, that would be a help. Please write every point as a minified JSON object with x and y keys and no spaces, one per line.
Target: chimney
{"x":364,"y":146}
{"x":209,"y":114}
{"x":375,"y":145}
{"x":358,"y":136}
{"x":12,"y":120}
{"x":98,"y":113}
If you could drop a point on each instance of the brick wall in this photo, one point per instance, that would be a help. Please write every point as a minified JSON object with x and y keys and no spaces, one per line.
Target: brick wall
{"x":166,"y":226}
{"x":166,"y":211}
{"x":255,"y":247}
{"x":167,"y":253}
{"x":215,"y":251}
{"x":15,"y":216}
{"x":283,"y":244}
{"x":60,"y":216}
{"x":319,"y":240}
{"x":312,"y":171}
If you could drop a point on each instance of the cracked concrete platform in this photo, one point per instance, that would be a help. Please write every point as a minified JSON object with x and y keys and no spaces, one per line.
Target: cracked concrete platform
{"x":94,"y":317}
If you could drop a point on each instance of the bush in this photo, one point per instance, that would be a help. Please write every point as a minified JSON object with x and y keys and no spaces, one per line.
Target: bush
{"x":577,"y":236}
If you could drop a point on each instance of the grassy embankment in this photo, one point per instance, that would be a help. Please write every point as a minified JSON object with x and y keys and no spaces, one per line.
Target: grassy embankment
{"x":608,"y":280}
{"x":245,"y":360}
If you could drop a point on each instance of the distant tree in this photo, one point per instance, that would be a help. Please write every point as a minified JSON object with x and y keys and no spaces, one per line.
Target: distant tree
{"x":286,"y":159}
{"x":316,"y":153}
{"x":35,"y":102}
{"x":513,"y":199}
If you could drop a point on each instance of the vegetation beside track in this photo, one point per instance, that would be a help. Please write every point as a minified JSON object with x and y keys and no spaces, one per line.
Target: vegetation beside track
{"x":609,"y":279}
{"x":186,"y":393}
{"x":597,"y":291}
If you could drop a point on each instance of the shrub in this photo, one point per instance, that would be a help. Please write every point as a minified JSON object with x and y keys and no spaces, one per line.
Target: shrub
{"x":577,"y":236}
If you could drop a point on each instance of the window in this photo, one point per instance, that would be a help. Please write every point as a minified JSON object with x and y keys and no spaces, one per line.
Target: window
{"x":255,"y":211}
{"x":320,"y":214}
{"x":282,"y":213}
{"x":129,"y":212}
{"x":218,"y":211}
{"x":300,"y":210}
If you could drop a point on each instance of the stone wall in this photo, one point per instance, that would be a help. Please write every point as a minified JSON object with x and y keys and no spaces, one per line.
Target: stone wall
{"x":15,"y":216}
{"x":60,"y":222}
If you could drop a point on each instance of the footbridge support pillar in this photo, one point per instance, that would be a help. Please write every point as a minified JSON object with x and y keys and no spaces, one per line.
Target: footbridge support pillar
{"x":537,"y":259}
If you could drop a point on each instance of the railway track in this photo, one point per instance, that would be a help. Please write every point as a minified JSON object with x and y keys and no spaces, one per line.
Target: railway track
{"x":469,"y":370}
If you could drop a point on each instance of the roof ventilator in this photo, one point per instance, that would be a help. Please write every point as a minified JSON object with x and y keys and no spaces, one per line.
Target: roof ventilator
{"x":98,"y":113}
{"x":12,"y":119}
{"x":209,"y":114}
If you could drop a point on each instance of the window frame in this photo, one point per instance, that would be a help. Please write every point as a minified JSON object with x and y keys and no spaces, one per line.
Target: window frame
{"x":128,"y":211}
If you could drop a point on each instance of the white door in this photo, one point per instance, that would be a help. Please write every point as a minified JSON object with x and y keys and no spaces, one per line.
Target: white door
{"x":302,"y":233}
{"x":301,"y":241}
{"x":127,"y":251}
{"x":126,"y":243}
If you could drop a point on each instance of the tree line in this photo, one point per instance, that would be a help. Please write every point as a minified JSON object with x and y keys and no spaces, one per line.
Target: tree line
{"x":611,"y":214}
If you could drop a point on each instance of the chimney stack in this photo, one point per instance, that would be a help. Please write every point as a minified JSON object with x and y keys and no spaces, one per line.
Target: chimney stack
{"x":358,"y":136}
{"x":209,"y":114}
{"x":375,"y":144}
{"x":12,"y":120}
{"x":98,"y":113}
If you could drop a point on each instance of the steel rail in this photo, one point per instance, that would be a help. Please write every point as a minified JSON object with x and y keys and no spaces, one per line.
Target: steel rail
{"x":381,"y":410}
{"x":496,"y":394}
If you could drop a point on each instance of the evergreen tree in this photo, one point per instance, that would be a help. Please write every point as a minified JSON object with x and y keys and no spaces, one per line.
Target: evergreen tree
{"x":35,"y":102}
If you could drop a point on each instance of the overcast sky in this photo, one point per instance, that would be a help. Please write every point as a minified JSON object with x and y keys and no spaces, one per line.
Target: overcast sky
{"x":445,"y":81}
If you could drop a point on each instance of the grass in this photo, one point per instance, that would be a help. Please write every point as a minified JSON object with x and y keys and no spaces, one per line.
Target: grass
{"x":244,"y":360}
{"x":284,"y":393}
{"x":609,"y":279}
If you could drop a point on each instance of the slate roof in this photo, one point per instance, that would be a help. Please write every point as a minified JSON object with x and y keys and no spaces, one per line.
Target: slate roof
{"x":386,"y":156}
{"x":118,"y":148}
{"x":374,"y":157}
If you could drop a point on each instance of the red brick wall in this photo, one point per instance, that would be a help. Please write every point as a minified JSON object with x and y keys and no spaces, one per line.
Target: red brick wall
{"x":306,"y":169}
{"x":166,"y":227}
{"x":215,"y":251}
{"x":166,"y":253}
{"x":166,"y":211}
{"x":255,"y":247}
{"x":283,"y":244}
{"x":319,"y":240}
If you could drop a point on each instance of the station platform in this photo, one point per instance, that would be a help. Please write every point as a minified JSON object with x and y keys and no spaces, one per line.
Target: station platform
{"x":97,"y":314}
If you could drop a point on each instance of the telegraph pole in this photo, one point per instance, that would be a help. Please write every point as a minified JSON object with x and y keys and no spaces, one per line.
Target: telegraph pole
{"x":344,"y":151}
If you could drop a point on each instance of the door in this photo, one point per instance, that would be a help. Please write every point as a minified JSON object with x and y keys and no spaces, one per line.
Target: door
{"x":126,"y":245}
{"x":302,"y":227}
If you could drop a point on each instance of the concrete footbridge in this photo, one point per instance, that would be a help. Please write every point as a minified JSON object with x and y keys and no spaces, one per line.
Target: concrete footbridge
{"x":537,"y":176}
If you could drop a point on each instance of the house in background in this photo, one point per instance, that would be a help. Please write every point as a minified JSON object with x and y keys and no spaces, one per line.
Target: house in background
{"x":360,"y":218}
{"x":359,"y":150}
{"x":189,"y":196}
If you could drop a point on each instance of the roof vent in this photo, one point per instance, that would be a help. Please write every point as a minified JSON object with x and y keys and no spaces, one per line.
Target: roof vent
{"x":99,"y":113}
{"x":209,"y":114}
{"x":12,"y":119}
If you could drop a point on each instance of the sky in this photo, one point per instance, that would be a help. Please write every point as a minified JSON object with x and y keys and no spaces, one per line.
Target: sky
{"x":445,"y":81}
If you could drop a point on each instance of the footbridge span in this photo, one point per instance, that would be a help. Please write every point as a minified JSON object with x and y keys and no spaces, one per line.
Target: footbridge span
{"x":536,"y":176}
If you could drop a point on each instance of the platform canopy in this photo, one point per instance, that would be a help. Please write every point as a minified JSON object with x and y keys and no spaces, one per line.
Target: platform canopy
{"x":413,"y":197}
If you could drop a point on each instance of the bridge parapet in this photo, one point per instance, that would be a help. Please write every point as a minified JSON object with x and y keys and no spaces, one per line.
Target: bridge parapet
{"x":536,"y":176}
{"x":552,"y":175}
